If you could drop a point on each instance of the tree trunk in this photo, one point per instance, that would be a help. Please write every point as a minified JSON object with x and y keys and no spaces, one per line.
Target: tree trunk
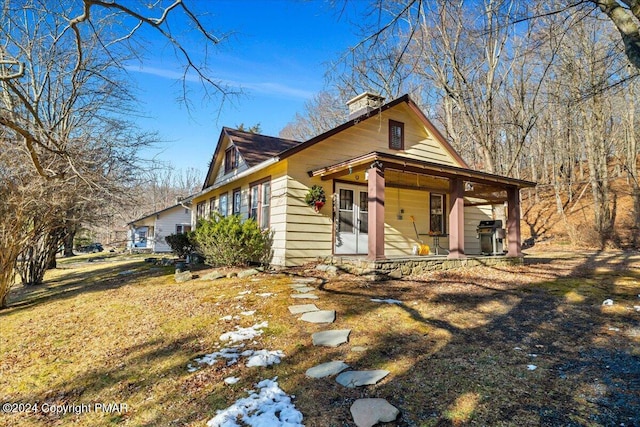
{"x":3,"y":300}
{"x":69,"y":236}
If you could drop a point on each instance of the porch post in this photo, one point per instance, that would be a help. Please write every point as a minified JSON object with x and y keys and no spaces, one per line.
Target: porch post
{"x":513,"y":222}
{"x":456,"y":219}
{"x":375,"y":206}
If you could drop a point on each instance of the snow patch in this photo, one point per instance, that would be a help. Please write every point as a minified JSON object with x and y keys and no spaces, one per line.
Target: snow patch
{"x":242,"y":334}
{"x":532,"y":367}
{"x":607,"y":302}
{"x":270,"y":406}
{"x":264,"y":358}
{"x":248,"y":313}
{"x":265,"y":294}
{"x":232,"y":355}
{"x":231,"y":380}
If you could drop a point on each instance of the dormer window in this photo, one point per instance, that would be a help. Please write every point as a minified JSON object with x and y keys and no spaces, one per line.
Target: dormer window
{"x":231,"y":158}
{"x":396,"y":135}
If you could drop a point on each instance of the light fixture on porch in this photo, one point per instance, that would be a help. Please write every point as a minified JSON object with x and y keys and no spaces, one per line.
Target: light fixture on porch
{"x":468,"y":186}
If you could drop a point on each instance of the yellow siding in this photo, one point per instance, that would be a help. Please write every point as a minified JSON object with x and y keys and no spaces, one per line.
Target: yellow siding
{"x":303,"y":235}
{"x":399,"y":234}
{"x":372,"y":135}
{"x":308,"y":234}
{"x":472,"y":217}
{"x":277,"y":172}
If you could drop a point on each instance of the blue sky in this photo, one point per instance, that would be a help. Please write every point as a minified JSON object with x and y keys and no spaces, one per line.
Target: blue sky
{"x":276,"y":54}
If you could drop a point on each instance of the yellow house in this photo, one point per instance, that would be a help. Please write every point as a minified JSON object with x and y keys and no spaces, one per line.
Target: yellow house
{"x":393,"y":184}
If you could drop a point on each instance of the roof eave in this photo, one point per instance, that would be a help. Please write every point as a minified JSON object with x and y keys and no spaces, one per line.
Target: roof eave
{"x":436,"y":168}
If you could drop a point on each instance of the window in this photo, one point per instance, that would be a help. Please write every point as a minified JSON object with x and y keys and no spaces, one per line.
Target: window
{"x":436,"y":210}
{"x":212,"y":206}
{"x":231,"y":159}
{"x":237,"y":201}
{"x":260,"y":203}
{"x":182,"y":228}
{"x":223,"y":204}
{"x":396,"y":135}
{"x":201,"y":210}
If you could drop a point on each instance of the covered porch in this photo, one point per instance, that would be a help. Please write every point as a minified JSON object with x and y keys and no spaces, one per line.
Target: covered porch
{"x":372,"y":182}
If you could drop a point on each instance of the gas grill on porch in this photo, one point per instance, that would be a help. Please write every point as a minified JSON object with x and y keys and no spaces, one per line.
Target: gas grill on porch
{"x":491,"y":235}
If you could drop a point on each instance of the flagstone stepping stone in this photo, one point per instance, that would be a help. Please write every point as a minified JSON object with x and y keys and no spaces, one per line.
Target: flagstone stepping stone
{"x":298,"y":285}
{"x":369,"y":412}
{"x":320,"y":316}
{"x":304,"y":289}
{"x":305,"y":279}
{"x":352,"y":379}
{"x":182,"y":276}
{"x":326,"y":369}
{"x":302,"y":308}
{"x":214,"y":275}
{"x":332,"y":338}
{"x":304,"y":296}
{"x":247,"y":273}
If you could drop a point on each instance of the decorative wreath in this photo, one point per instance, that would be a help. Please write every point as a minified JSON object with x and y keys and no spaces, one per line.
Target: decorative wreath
{"x":316,"y":198}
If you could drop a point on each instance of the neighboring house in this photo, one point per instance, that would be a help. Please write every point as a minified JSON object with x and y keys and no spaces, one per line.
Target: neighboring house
{"x":388,"y":175}
{"x":148,"y":233}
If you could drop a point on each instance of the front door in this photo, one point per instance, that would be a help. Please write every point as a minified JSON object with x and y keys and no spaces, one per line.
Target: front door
{"x":353,"y":220}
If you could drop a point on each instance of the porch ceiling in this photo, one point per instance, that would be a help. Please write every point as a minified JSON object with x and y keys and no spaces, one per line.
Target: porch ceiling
{"x":482,"y":185}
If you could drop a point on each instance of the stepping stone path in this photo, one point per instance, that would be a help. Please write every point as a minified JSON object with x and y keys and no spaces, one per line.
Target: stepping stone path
{"x":321,"y":316}
{"x":331,"y":338}
{"x":303,"y":289}
{"x":326,"y":369}
{"x":353,"y":379}
{"x":303,"y":308}
{"x":304,"y":296}
{"x":369,"y":412}
{"x":365,"y":412}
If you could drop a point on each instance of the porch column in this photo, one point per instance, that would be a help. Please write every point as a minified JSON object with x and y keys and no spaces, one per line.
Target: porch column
{"x":513,"y":222}
{"x":375,"y":206}
{"x":456,"y":219}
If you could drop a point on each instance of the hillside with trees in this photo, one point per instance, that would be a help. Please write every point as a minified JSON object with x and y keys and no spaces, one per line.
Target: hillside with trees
{"x":544,"y":92}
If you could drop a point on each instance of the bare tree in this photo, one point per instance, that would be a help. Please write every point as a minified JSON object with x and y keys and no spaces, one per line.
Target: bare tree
{"x":64,"y":100}
{"x":625,"y":15}
{"x":325,"y":111}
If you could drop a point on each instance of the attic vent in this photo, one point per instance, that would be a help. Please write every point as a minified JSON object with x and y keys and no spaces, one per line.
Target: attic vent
{"x":364,"y":103}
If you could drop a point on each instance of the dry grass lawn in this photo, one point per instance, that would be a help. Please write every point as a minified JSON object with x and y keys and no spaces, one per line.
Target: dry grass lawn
{"x":119,"y":330}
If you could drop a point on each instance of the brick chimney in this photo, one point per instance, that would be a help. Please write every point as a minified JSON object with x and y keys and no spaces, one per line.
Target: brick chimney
{"x":364,"y":103}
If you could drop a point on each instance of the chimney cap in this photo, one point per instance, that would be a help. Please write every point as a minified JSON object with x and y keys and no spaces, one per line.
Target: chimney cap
{"x":364,"y":103}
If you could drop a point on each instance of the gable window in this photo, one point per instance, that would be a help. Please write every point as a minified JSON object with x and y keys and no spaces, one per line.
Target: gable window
{"x":436,"y":211}
{"x":223,"y":204}
{"x":237,"y":201}
{"x":201,"y":209}
{"x":260,"y":203}
{"x":396,"y":135}
{"x":231,"y":159}
{"x":182,"y":228}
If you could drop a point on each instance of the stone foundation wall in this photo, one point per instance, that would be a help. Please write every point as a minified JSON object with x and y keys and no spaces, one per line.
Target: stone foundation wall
{"x":397,"y":268}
